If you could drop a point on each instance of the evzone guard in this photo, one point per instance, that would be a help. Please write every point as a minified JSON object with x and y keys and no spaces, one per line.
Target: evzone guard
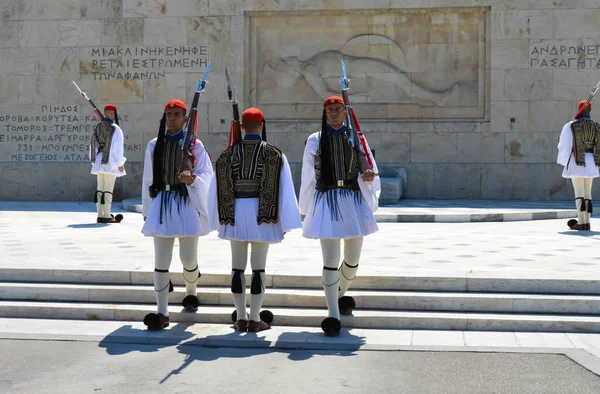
{"x":339,"y":193}
{"x":177,"y":175}
{"x":579,"y":154}
{"x":108,"y":162}
{"x":107,"y":158}
{"x":253,"y":205}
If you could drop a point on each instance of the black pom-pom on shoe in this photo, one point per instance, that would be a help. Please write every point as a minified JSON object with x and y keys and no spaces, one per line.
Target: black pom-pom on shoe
{"x":331,"y":327}
{"x":266,"y":316}
{"x":118,"y":218}
{"x":156,"y":321}
{"x":571,"y":223}
{"x":346,"y":305}
{"x":191,"y":303}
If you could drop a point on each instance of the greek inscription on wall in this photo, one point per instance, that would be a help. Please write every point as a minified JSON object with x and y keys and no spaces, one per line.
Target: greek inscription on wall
{"x":141,"y":62}
{"x":564,"y":54}
{"x":51,"y":133}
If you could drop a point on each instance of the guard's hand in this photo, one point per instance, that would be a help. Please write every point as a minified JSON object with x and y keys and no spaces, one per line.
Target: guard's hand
{"x":144,"y":218}
{"x":302,"y":217}
{"x":187,"y":177}
{"x":122,"y":168}
{"x":369,"y":175}
{"x":557,"y":139}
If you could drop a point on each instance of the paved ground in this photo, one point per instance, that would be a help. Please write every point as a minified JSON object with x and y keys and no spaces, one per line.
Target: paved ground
{"x":456,"y":211}
{"x":65,"y":236}
{"x":61,"y":367}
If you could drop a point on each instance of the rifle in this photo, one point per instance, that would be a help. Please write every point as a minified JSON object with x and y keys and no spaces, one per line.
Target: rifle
{"x":235,"y":132}
{"x":356,"y":134}
{"x":97,"y":112}
{"x":191,"y":127}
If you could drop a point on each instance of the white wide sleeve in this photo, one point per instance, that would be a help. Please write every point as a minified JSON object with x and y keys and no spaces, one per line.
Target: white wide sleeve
{"x":289,"y":216}
{"x":371,"y":190}
{"x":308,"y":182}
{"x":565,"y":145}
{"x":198,"y":191}
{"x":147,"y":178}
{"x":117,"y":147}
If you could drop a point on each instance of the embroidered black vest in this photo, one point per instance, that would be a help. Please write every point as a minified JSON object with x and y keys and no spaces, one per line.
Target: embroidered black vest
{"x":249,"y":169}
{"x":585,"y":139}
{"x":101,"y":140}
{"x":343,"y":163}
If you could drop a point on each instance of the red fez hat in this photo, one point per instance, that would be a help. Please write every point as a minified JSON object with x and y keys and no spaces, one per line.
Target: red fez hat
{"x":253,"y":115}
{"x":332,"y":100}
{"x":175,"y":104}
{"x":110,"y":107}
{"x":582,"y":103}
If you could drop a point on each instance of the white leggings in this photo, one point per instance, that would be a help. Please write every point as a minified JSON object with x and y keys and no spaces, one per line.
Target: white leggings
{"x":163,"y":254}
{"x":104,"y":194}
{"x":583,"y":195}
{"x":258,"y":262}
{"x":336,"y":280}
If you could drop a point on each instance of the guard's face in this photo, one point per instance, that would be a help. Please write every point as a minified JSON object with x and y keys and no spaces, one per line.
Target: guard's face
{"x":336,"y":115}
{"x":110,"y":114}
{"x":176,"y":119}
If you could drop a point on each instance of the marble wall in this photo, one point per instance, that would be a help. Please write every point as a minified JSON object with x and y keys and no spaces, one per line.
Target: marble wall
{"x":467,"y":95}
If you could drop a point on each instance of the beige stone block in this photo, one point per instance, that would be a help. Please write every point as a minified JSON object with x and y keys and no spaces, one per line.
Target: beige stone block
{"x":129,"y":186}
{"x":528,"y":84}
{"x":98,"y":9}
{"x":122,"y":91}
{"x":573,"y":85}
{"x":461,"y":127}
{"x":497,"y":85}
{"x":509,"y":116}
{"x":144,"y":8}
{"x":8,"y":89}
{"x":238,"y":30}
{"x":545,"y":4}
{"x":504,"y":4}
{"x":75,"y":33}
{"x":187,"y":8}
{"x":215,"y":90}
{"x":510,"y":54}
{"x":39,"y":34}
{"x":576,"y":23}
{"x":10,"y":61}
{"x":227,"y":55}
{"x":550,"y":116}
{"x":143,"y":121}
{"x":375,"y":4}
{"x":219,"y":118}
{"x":19,"y":9}
{"x":215,"y":144}
{"x":292,"y":145}
{"x":456,"y":181}
{"x":522,"y":24}
{"x":9,"y":34}
{"x":434,"y":148}
{"x":165,"y":31}
{"x":237,"y":7}
{"x":395,"y":149}
{"x":28,"y":60}
{"x":37,"y":89}
{"x":162,"y":90}
{"x":209,"y":30}
{"x":63,"y":61}
{"x":420,"y":180}
{"x":65,"y":182}
{"x":505,"y":181}
{"x":548,"y":184}
{"x":274,"y":5}
{"x":409,"y":127}
{"x":20,"y":180}
{"x":126,"y":31}
{"x":529,"y":147}
{"x":280,"y":127}
{"x":480,"y":147}
{"x":60,"y":9}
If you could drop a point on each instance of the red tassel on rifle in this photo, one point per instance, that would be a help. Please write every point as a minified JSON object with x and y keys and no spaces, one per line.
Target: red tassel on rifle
{"x":363,"y":140}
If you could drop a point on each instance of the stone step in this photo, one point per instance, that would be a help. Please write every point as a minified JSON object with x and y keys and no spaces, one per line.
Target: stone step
{"x":474,"y":282}
{"x":311,"y":317}
{"x":308,"y":298}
